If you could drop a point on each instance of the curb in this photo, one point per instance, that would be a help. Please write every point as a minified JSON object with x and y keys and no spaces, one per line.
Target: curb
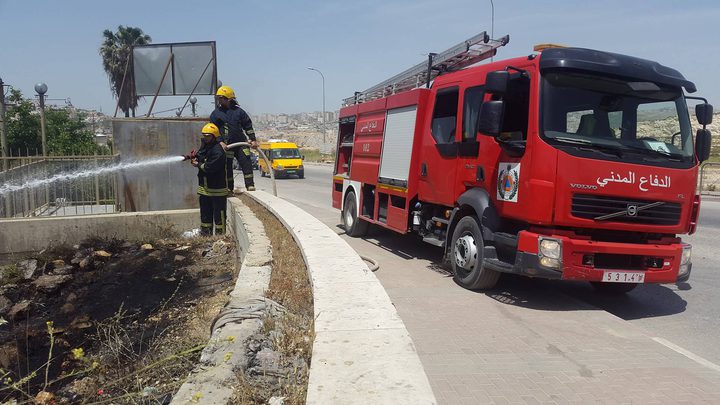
{"x":213,"y":379}
{"x":362,"y":351}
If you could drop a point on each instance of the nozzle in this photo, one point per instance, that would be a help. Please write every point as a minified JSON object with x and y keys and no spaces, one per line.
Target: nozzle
{"x":190,"y":156}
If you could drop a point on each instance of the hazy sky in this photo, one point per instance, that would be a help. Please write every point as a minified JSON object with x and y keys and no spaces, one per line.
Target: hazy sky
{"x":264,"y":47}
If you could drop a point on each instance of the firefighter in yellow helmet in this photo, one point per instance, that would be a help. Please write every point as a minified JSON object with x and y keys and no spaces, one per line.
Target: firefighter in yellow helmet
{"x":212,"y":181}
{"x":235,"y":126}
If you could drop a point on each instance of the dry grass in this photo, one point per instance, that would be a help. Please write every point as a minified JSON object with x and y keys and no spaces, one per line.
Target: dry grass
{"x":291,"y":334}
{"x":289,"y":283}
{"x":131,"y":359}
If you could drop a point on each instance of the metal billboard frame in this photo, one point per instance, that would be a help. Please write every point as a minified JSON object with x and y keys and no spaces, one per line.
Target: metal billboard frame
{"x":170,"y":66}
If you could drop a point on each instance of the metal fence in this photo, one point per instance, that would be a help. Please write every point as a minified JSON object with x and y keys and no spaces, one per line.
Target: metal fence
{"x":709,"y":182}
{"x":93,"y":194}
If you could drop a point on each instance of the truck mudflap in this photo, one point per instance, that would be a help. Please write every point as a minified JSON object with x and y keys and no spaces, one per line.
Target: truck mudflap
{"x":587,"y":260}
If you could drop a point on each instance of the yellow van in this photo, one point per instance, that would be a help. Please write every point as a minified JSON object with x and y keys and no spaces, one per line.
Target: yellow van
{"x":284,"y":157}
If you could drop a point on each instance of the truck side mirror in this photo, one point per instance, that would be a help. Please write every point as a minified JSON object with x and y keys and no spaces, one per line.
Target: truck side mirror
{"x":704,"y":113}
{"x":702,"y":144}
{"x":491,"y":117}
{"x":497,"y":82}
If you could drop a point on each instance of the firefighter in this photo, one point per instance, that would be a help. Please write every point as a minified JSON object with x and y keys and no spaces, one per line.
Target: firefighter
{"x":235,"y":126}
{"x":212,"y":181}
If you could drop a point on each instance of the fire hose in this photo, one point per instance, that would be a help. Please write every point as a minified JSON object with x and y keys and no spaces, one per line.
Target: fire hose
{"x":193,"y":155}
{"x":267,"y":162}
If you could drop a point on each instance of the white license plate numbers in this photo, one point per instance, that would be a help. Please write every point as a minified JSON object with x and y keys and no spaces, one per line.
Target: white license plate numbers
{"x":623,"y":277}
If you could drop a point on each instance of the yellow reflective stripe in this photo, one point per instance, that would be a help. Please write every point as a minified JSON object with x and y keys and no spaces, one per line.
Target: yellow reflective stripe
{"x":212,"y":192}
{"x":229,"y":154}
{"x":248,"y":176}
{"x":246,"y":151}
{"x":202,"y":167}
{"x":250,"y":131}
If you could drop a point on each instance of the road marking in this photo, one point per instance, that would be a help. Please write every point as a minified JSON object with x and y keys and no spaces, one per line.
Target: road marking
{"x":690,"y":355}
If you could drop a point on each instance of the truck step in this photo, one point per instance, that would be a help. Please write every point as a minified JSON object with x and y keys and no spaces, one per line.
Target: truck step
{"x":434,"y":241}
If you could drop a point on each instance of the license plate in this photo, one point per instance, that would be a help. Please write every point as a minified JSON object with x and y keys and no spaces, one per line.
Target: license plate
{"x":623,"y":277}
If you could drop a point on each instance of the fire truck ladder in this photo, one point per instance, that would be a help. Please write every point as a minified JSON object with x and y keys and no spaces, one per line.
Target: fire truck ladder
{"x":466,"y":53}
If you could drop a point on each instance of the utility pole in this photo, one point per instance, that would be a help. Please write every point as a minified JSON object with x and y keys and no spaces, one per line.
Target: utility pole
{"x":323,"y":94}
{"x":3,"y":133}
{"x":41,"y":89}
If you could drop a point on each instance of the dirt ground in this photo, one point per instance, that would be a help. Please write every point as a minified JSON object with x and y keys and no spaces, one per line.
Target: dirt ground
{"x":109,"y":321}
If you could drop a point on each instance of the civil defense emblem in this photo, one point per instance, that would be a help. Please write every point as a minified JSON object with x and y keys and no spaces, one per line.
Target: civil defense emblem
{"x":508,"y":181}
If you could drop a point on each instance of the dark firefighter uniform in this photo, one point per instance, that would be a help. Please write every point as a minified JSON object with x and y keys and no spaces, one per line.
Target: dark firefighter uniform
{"x":235,"y":126}
{"x":212,"y":182}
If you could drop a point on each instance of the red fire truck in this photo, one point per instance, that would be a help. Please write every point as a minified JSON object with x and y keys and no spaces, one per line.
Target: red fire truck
{"x":568,"y":163}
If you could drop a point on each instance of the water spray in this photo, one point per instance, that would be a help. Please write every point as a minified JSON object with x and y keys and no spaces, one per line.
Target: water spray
{"x":9,"y":188}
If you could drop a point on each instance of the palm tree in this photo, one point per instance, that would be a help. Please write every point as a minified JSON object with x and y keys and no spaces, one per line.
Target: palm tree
{"x":115,"y":52}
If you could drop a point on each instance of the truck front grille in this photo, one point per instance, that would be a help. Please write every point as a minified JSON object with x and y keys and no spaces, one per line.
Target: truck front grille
{"x":592,"y":206}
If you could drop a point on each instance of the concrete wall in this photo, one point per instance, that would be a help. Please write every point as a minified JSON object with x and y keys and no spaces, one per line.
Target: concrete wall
{"x":27,"y":235}
{"x":165,"y":187}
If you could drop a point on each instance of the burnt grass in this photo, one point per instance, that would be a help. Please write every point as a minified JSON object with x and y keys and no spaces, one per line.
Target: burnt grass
{"x":140,"y":317}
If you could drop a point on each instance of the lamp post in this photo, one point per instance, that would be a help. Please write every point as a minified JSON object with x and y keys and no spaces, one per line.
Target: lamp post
{"x":323,"y":94}
{"x":193,"y":100}
{"x":41,"y":89}
{"x":3,"y":135}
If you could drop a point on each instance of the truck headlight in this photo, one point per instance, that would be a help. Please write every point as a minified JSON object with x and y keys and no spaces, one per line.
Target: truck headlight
{"x":686,"y":254}
{"x":279,"y":167}
{"x":685,"y":260}
{"x":550,"y":252}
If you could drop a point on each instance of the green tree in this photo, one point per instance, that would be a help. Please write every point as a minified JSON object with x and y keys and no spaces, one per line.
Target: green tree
{"x":23,"y":125}
{"x":115,"y":52}
{"x":67,"y":132}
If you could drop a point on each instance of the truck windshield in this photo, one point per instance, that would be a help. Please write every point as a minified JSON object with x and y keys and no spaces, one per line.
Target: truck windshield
{"x":285,"y":153}
{"x":616,"y":119}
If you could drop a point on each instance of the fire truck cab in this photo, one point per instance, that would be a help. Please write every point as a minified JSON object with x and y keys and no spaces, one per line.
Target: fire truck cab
{"x":569,"y":163}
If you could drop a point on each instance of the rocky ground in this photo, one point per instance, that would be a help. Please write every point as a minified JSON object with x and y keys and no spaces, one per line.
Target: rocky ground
{"x":109,"y":320}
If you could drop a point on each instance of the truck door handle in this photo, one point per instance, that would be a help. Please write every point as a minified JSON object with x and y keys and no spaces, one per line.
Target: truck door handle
{"x":480,"y":174}
{"x":423,"y":169}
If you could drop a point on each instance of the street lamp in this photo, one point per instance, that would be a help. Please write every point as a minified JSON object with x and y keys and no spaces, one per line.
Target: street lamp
{"x":41,"y":89}
{"x":193,"y":100}
{"x":323,"y":90}
{"x":3,"y":135}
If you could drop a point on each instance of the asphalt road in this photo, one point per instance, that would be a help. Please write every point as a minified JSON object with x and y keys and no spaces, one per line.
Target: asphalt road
{"x":683,"y":314}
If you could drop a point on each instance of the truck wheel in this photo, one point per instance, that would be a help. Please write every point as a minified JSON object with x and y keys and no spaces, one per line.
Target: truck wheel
{"x":466,"y":256}
{"x":262,"y":173}
{"x":353,"y":225}
{"x":613,"y":288}
{"x":301,"y":175}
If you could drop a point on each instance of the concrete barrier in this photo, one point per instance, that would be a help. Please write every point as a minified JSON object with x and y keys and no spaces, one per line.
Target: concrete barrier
{"x":362,"y":353}
{"x":33,"y":234}
{"x":214,"y":378}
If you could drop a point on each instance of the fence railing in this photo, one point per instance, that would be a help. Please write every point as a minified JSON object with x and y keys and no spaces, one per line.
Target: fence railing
{"x":709,"y":182}
{"x":91,"y":194}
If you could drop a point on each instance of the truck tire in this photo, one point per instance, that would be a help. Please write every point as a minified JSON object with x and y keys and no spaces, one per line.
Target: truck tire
{"x":613,"y":288}
{"x":353,"y":226}
{"x":466,"y":256}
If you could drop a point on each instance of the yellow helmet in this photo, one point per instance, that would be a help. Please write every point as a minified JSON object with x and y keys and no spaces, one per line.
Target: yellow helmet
{"x":211,"y":129}
{"x":225,"y":91}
